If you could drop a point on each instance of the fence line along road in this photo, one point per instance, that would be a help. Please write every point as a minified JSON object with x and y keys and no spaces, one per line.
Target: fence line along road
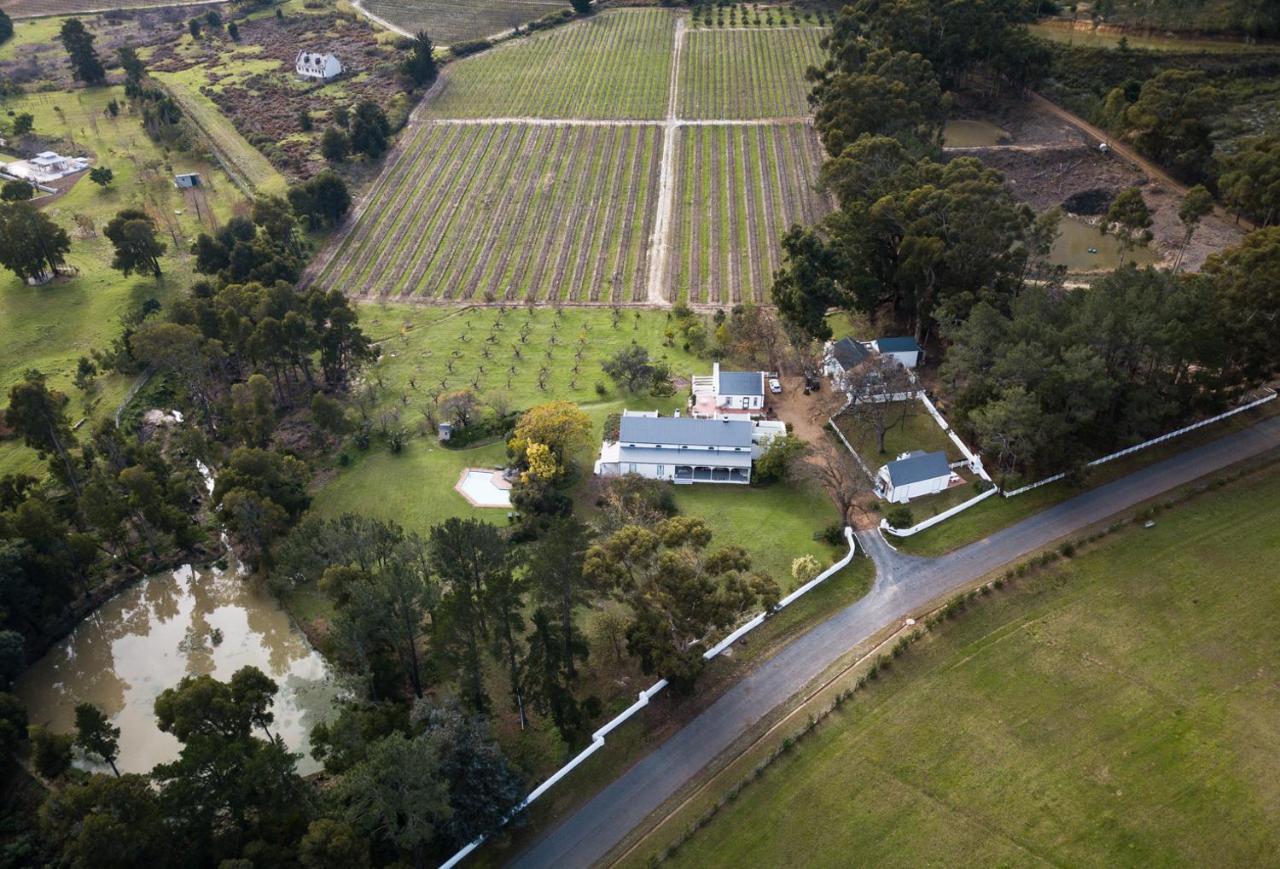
{"x":598,"y":738}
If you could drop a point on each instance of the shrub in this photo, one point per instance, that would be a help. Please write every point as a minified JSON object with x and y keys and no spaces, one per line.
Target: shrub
{"x":50,"y":752}
{"x":470,"y":47}
{"x":832,"y":535}
{"x":899,"y":516}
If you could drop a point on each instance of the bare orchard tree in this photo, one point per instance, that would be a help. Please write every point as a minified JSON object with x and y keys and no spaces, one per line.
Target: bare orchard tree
{"x":834,"y":469}
{"x":872,"y":387}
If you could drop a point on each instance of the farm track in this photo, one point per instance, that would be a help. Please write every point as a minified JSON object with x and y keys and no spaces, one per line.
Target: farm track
{"x":631,"y":199}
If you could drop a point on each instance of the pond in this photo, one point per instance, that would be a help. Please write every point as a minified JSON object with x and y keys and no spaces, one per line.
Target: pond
{"x":972,"y":134}
{"x":1080,"y":247}
{"x":182,"y":623}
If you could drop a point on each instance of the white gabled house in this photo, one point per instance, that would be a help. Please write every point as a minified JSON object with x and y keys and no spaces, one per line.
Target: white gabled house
{"x":317,"y":66}
{"x":679,"y":449}
{"x":914,"y":475}
{"x":727,"y":394}
{"x":841,"y":357}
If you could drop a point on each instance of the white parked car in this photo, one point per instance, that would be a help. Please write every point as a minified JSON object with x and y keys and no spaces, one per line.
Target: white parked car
{"x":775,"y":385}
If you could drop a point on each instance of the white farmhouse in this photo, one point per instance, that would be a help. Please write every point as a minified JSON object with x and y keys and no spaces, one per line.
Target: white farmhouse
{"x":679,"y":449}
{"x":913,"y":475}
{"x":45,"y":167}
{"x":905,"y":351}
{"x":317,"y":66}
{"x":841,"y":357}
{"x":728,"y":394}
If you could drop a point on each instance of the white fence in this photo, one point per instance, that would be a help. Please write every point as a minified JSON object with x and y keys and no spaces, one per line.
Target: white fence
{"x":974,"y":460}
{"x":941,"y":517}
{"x":1145,"y":444}
{"x":598,"y":738}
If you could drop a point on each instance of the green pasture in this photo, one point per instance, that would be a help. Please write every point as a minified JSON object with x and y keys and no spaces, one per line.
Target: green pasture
{"x":52,"y":326}
{"x":1118,"y":709}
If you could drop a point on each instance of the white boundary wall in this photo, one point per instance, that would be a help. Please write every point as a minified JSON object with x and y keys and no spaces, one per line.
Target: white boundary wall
{"x":598,"y":738}
{"x":1142,"y":446}
{"x":934,"y":520}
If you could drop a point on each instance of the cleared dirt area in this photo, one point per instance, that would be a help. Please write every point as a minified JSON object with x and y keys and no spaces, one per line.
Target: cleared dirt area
{"x":1047,"y":162}
{"x":450,"y":21}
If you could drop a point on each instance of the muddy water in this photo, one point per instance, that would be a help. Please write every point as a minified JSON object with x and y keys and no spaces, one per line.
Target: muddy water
{"x":971,"y":134}
{"x":1076,"y":237}
{"x":184,"y":623}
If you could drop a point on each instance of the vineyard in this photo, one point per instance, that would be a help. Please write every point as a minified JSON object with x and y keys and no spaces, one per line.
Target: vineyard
{"x":748,"y":73}
{"x":537,"y":170}
{"x":738,"y":189}
{"x":450,"y":21}
{"x":508,"y":211}
{"x":614,"y":65}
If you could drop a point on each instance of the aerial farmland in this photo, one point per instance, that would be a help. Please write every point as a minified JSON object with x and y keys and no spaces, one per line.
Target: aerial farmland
{"x":668,"y":158}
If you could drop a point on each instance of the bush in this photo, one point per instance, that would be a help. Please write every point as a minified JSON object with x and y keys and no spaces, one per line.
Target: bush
{"x":50,"y":752}
{"x":832,"y":535}
{"x":470,"y":47}
{"x":899,"y":516}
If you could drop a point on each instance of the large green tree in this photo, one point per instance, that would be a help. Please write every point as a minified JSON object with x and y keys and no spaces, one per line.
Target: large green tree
{"x":83,"y":57}
{"x":133,"y":233}
{"x":32,"y":246}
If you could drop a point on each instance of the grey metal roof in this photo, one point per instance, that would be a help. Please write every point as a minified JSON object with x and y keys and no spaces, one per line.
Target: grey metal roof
{"x":684,"y":430}
{"x":849,"y":353}
{"x":690,"y":456}
{"x":905,"y":344}
{"x":917,"y":467}
{"x":741,"y":383}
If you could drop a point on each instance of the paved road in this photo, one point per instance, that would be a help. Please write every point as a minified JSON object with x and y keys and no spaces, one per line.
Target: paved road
{"x":903,"y":584}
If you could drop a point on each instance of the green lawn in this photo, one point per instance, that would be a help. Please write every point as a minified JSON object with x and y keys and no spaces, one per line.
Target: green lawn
{"x":774,"y":523}
{"x":50,"y":327}
{"x":1118,"y":710}
{"x":917,"y":431}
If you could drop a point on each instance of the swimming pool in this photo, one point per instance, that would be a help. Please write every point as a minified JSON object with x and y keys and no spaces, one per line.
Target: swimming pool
{"x":484,"y":487}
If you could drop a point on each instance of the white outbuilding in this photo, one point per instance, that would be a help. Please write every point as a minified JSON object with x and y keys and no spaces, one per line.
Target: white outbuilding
{"x":905,"y":351}
{"x":914,"y":475}
{"x":318,"y":66}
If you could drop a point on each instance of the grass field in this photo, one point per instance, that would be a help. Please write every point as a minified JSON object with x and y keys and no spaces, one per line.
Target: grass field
{"x":1119,"y":710}
{"x":50,"y":327}
{"x":737,"y":190}
{"x":508,"y":212}
{"x":450,"y":21}
{"x":613,"y":65}
{"x":748,"y":74}
{"x":917,"y":431}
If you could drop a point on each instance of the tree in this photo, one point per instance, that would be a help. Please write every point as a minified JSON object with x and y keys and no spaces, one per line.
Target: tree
{"x":548,"y":683}
{"x":13,"y":648}
{"x":109,"y":822}
{"x":582,"y":7}
{"x":1011,"y":428}
{"x":833,"y":470}
{"x":17,"y":190}
{"x":398,"y":792}
{"x":1246,"y":281}
{"x":321,"y":201}
{"x":554,"y":574}
{"x":775,"y":462}
{"x":632,"y":369}
{"x":50,"y":752}
{"x":23,"y":123}
{"x":460,"y":407}
{"x":808,"y":285}
{"x":329,"y":843}
{"x":805,"y":568}
{"x":562,"y":427}
{"x":1129,"y":218}
{"x":133,"y":233}
{"x":31,"y":245}
{"x":134,"y":68}
{"x":194,"y":27}
{"x":420,"y":64}
{"x":6,"y":27}
{"x":96,"y":735}
{"x":678,"y":591}
{"x":233,"y":31}
{"x":39,"y":415}
{"x":1195,"y":206}
{"x":1172,"y":121}
{"x":892,"y":93}
{"x":202,"y":706}
{"x":252,"y":412}
{"x":85,"y":65}
{"x":101,"y":175}
{"x":304,"y":121}
{"x":483,"y":788}
{"x":872,"y":387}
{"x":467,"y":556}
{"x":13,"y":722}
{"x":335,"y":145}
{"x":369,"y":129}
{"x":1250,"y":179}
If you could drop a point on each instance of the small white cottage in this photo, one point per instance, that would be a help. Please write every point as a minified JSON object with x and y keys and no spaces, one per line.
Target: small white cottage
{"x":316,"y":66}
{"x":728,"y":394}
{"x":905,"y":351}
{"x":914,"y":475}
